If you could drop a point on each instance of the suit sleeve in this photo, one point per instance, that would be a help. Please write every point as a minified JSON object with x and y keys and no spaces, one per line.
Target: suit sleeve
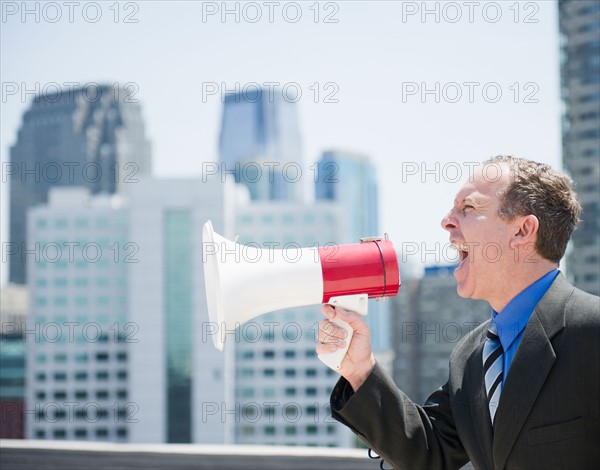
{"x":404,"y":434}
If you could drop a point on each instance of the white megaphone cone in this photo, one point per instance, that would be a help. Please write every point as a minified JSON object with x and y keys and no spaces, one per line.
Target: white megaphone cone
{"x":244,"y":281}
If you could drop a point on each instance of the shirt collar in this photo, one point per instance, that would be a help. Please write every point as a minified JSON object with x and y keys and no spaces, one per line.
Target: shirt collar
{"x":517,"y":312}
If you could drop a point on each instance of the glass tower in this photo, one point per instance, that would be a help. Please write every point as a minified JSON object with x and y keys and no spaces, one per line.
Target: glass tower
{"x":82,"y":137}
{"x":259,"y":144}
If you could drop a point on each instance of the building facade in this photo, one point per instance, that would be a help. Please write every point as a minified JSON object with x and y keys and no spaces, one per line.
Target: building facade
{"x":260,"y":144}
{"x":78,"y":333}
{"x":181,"y":383}
{"x":580,"y":73}
{"x":14,"y":301}
{"x":91,"y":137}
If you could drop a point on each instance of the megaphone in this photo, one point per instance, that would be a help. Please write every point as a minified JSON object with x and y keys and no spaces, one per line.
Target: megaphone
{"x":245,"y":281}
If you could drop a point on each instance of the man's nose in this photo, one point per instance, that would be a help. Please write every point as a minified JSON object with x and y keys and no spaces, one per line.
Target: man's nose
{"x":449,"y":221}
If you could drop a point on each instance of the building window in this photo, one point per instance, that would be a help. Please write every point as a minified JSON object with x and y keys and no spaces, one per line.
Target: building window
{"x":290,"y":430}
{"x":290,"y":392}
{"x":311,"y":391}
{"x":81,"y":357}
{"x":269,"y":354}
{"x":81,"y":394}
{"x":269,"y":372}
{"x":122,"y":433}
{"x":122,"y":394}
{"x":59,"y":433}
{"x":60,"y":395}
{"x":270,"y":430}
{"x":290,"y":372}
{"x":80,"y":376}
{"x":60,"y":376}
{"x":121,"y":356}
{"x":122,"y":375}
{"x":40,"y":377}
{"x":289,"y":354}
{"x":102,"y":375}
{"x":311,"y":429}
{"x":40,"y":395}
{"x":40,"y":434}
{"x":102,"y":394}
{"x":101,"y":432}
{"x":80,"y":433}
{"x":311,"y":372}
{"x":60,"y":357}
{"x":102,"y":357}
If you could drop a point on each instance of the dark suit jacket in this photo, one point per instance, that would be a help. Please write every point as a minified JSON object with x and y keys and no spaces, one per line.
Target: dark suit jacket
{"x":549,"y":411}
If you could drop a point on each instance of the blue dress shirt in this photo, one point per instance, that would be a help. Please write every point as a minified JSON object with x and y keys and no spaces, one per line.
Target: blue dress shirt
{"x":511,"y":321}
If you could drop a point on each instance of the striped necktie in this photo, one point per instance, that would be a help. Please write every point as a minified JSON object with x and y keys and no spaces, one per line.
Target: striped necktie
{"x":492,"y":367}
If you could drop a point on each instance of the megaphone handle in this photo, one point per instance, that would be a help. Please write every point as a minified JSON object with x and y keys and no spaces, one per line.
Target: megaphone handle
{"x":357,"y":303}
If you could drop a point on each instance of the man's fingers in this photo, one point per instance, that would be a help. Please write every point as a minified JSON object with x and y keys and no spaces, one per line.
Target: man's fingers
{"x":326,"y":348}
{"x":329,"y":332}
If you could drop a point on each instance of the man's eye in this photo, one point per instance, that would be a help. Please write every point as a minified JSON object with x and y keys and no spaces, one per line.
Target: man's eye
{"x":467,"y":207}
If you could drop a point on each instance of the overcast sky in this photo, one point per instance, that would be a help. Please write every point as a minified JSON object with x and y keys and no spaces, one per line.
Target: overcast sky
{"x":491,"y":69}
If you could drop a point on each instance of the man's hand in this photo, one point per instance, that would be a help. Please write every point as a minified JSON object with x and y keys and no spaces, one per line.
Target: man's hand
{"x":359,"y":360}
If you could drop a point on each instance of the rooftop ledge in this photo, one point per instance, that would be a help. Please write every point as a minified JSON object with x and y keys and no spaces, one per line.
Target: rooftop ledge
{"x":45,"y":454}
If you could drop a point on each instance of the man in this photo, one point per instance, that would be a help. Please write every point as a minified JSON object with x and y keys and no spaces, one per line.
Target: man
{"x":524,"y":388}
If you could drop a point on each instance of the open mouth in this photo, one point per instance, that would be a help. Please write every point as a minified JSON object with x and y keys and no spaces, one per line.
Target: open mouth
{"x":463,"y":252}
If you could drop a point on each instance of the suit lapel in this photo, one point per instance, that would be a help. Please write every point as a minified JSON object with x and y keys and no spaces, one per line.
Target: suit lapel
{"x":533,"y":361}
{"x":480,"y":413}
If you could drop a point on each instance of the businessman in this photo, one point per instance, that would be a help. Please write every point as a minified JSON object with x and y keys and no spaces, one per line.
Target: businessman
{"x":523,"y":390}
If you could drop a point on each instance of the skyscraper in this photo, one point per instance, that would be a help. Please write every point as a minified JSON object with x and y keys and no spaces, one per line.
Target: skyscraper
{"x":90,"y":136}
{"x":117,"y":340}
{"x":351,"y":180}
{"x":78,"y":336}
{"x":580,"y":73}
{"x":259,"y":144}
{"x":179,"y":380}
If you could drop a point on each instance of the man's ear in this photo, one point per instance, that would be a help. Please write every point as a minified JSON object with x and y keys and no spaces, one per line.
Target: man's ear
{"x":526,"y":230}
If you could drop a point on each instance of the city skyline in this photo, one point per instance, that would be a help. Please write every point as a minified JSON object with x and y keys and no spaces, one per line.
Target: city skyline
{"x":373,"y":109}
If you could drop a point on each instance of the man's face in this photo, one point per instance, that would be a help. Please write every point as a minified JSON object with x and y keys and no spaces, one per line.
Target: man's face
{"x":483,"y":238}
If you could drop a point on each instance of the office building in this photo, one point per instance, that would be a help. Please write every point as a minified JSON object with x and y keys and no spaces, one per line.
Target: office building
{"x":78,"y":333}
{"x":91,"y":136}
{"x":580,"y":73}
{"x":260,"y":145}
{"x":180,"y":382}
{"x":13,"y":313}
